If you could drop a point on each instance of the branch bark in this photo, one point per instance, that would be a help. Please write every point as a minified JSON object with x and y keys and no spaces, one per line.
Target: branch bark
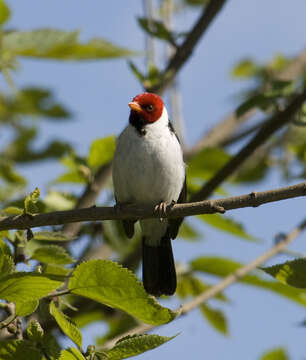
{"x":226,"y":282}
{"x":253,"y":199}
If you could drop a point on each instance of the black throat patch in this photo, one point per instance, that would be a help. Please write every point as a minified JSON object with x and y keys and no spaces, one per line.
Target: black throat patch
{"x":138,"y":122}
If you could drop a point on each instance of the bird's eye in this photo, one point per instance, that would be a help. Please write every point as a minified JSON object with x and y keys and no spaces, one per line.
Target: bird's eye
{"x":149,"y":107}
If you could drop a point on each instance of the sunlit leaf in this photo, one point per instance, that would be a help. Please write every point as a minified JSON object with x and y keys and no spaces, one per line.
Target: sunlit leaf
{"x":223,"y":267}
{"x":50,"y":236}
{"x":188,"y":232}
{"x":227,"y":225}
{"x":4,"y":12}
{"x":12,"y":210}
{"x":60,"y":45}
{"x":189,"y":285}
{"x":25,"y":308}
{"x":35,"y":331}
{"x":134,"y":345}
{"x":101,"y":151}
{"x":30,"y":202}
{"x":112,"y":285}
{"x":207,"y":162}
{"x":275,"y":354}
{"x":57,"y":200}
{"x":71,"y":354}
{"x":156,"y":28}
{"x":66,"y":324}
{"x":19,"y":350}
{"x":245,"y":69}
{"x":291,"y":272}
{"x":7,"y":264}
{"x":216,"y":318}
{"x":52,"y":254}
{"x":24,"y":287}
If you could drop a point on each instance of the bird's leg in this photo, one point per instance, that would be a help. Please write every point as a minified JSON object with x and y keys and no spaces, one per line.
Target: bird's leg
{"x":162,"y":210}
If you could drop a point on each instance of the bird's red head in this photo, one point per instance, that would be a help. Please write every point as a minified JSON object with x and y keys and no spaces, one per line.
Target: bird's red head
{"x":147,"y":105}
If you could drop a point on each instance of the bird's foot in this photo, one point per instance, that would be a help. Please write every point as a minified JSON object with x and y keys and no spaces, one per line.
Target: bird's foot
{"x":162,"y":210}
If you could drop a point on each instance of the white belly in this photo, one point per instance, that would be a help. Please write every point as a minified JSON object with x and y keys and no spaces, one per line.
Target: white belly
{"x":148,"y":169}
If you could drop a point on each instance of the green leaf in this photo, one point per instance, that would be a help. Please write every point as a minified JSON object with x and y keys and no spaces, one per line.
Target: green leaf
{"x":19,"y":350}
{"x":52,"y":254}
{"x":66,"y":324}
{"x":71,"y":354}
{"x":24,"y":287}
{"x":101,"y":151}
{"x":12,"y":210}
{"x":30,"y":202}
{"x":8,"y":173}
{"x":5,"y":13}
{"x":207,"y":163}
{"x":136,"y":72}
{"x":216,"y":318}
{"x":73,"y":176}
{"x":35,"y":331}
{"x":223,"y":267}
{"x":7,"y":265}
{"x":292,"y":273}
{"x":26,"y":308}
{"x":134,"y":345}
{"x":259,"y":101}
{"x":227,"y":225}
{"x":59,"y":45}
{"x":157,"y":29}
{"x":245,"y":69}
{"x":275,"y":354}
{"x":188,"y":232}
{"x":4,"y":248}
{"x":57,"y":201}
{"x":189,"y":285}
{"x":109,"y":283}
{"x":50,"y":236}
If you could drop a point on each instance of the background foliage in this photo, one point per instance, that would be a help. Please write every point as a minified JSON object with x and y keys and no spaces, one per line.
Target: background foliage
{"x":52,"y":286}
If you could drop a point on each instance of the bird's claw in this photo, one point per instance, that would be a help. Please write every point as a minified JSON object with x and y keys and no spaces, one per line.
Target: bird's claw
{"x":162,"y":210}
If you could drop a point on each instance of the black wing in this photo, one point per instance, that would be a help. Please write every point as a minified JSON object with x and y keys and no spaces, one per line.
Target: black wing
{"x":174,"y":224}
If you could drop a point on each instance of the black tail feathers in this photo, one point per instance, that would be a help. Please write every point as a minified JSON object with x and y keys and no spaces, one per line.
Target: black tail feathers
{"x":158,"y":269}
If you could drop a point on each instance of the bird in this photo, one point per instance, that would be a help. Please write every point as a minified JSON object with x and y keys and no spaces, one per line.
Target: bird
{"x":148,"y":169}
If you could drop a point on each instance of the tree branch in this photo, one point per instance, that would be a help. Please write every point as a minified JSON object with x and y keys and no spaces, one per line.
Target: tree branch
{"x":274,"y":124}
{"x":184,"y":51}
{"x":253,"y":199}
{"x":226,"y":282}
{"x":219,"y":134}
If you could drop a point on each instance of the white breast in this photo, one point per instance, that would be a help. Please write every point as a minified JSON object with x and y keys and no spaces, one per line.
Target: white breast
{"x":148,"y":169}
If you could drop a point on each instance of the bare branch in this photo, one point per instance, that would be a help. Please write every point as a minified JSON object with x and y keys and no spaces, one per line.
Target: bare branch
{"x":253,"y":199}
{"x":274,"y":124}
{"x":226,"y":282}
{"x":185,"y":50}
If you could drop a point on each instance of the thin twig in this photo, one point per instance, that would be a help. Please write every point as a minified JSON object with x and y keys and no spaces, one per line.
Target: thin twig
{"x":185,"y":50}
{"x":226,"y":282}
{"x":253,"y":199}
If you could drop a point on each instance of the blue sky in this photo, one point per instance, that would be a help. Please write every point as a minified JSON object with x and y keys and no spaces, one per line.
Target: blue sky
{"x":98,"y":93}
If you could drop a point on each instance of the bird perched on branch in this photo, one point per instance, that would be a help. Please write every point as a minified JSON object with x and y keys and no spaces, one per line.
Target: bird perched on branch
{"x":148,"y":169}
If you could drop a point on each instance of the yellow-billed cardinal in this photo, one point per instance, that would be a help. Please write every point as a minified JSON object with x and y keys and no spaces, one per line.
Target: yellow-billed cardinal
{"x":148,"y":169}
